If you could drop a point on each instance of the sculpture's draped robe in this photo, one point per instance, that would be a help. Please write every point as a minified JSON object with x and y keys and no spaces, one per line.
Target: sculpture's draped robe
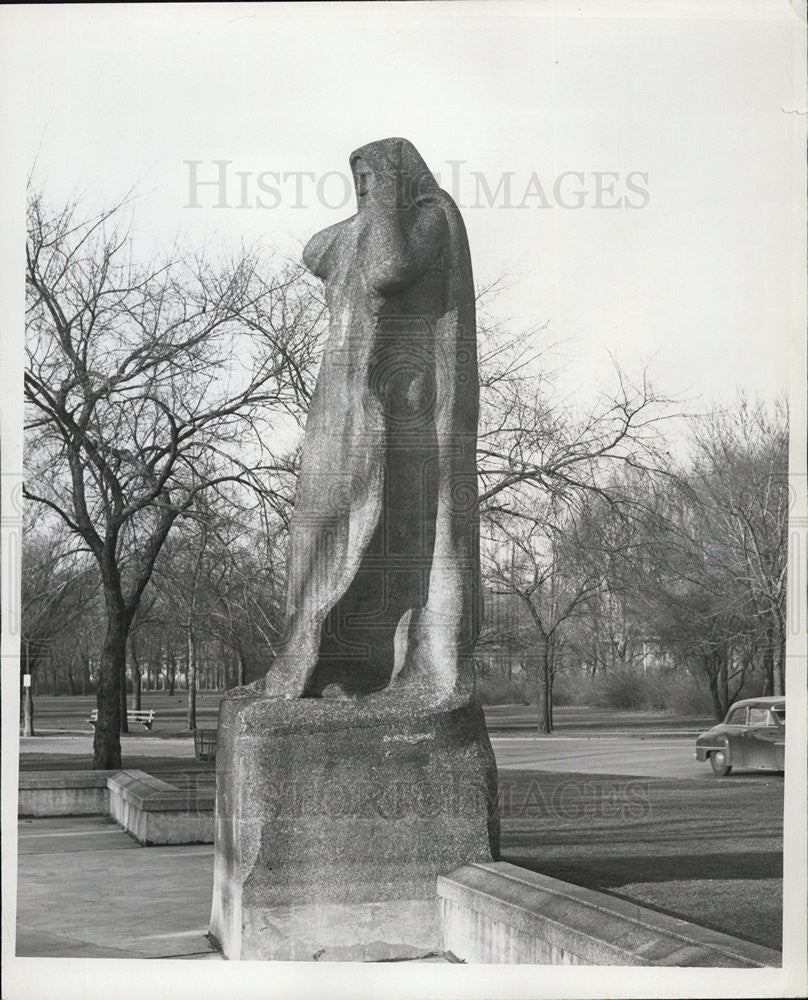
{"x":383,"y":575}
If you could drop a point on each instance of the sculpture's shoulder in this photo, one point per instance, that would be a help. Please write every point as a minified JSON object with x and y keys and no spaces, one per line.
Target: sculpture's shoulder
{"x":322,"y":252}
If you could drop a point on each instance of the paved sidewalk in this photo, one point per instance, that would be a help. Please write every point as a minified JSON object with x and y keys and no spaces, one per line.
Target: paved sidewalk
{"x":86,"y":889}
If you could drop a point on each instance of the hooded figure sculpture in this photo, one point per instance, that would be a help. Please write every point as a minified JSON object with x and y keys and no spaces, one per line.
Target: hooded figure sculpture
{"x":383,"y":581}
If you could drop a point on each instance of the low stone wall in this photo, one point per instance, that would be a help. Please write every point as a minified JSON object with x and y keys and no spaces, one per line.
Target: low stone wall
{"x":495,"y":912}
{"x":63,"y":793}
{"x":155,"y":812}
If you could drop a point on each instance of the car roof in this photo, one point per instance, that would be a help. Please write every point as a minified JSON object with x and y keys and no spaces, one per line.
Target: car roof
{"x":761,"y":702}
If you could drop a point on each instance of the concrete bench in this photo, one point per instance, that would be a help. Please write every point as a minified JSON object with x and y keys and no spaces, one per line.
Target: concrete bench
{"x":144,"y":717}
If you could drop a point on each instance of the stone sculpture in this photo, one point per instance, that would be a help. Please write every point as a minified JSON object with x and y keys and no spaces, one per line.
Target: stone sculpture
{"x":384,"y":570}
{"x":359,"y":769}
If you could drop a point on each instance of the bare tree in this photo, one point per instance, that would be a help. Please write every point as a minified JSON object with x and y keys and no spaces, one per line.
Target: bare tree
{"x":555,"y":564}
{"x":247,"y":592}
{"x":742,"y":476}
{"x":60,"y":587}
{"x":714,"y":590}
{"x":146,"y":386}
{"x":694,"y":608}
{"x":530,"y":438}
{"x":552,"y":479}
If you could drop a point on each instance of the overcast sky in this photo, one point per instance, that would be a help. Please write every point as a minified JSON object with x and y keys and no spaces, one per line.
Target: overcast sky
{"x":633,"y":177}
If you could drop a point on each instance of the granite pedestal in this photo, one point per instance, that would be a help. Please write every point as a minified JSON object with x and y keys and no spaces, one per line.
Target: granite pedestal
{"x":334,"y":819}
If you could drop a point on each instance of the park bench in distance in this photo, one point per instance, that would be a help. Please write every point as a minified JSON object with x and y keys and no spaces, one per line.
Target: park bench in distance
{"x":145,"y":718}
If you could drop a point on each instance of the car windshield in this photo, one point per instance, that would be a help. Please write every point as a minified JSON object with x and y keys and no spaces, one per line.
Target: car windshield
{"x":737,"y":718}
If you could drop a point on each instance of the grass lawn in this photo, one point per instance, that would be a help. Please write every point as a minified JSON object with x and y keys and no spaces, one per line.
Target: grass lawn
{"x":576,"y":720}
{"x":69,"y":713}
{"x":708,"y":852}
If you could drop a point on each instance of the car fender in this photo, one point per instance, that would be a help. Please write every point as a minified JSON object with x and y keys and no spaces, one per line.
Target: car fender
{"x":723,"y":744}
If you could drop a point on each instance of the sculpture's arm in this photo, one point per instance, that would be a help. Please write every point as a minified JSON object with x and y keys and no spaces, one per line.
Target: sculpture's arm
{"x":393,"y":260}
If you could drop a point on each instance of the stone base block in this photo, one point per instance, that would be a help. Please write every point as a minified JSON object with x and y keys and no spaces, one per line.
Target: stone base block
{"x":335,"y":818}
{"x":355,"y":932}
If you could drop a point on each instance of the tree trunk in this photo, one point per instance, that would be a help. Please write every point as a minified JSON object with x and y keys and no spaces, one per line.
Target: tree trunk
{"x":27,"y":713}
{"x":545,"y":724}
{"x":172,"y":675}
{"x":136,"y":690}
{"x":107,"y":740}
{"x":122,"y":694}
{"x":191,"y":716}
{"x":552,"y":662}
{"x":28,"y":699}
{"x":723,"y":679}
{"x":242,"y":667}
{"x":550,"y":699}
{"x":715,"y":668}
{"x":768,"y":664}
{"x":135,"y":673}
{"x":71,"y":687}
{"x":779,"y":687}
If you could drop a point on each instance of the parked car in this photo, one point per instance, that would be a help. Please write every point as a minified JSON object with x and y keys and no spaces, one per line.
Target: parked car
{"x":752,"y":735}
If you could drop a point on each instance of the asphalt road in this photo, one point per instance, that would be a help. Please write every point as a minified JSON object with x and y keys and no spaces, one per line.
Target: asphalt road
{"x":660,"y":757}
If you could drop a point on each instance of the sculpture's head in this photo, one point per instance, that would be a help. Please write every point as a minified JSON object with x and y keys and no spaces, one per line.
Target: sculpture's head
{"x":390,"y":172}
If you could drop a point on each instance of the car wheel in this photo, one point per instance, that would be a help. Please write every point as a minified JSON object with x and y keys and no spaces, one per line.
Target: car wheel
{"x":718,"y":760}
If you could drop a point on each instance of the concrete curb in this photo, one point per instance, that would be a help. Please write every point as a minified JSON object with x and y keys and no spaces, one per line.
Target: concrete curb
{"x":63,"y":793}
{"x":497,"y":912}
{"x":155,"y":812}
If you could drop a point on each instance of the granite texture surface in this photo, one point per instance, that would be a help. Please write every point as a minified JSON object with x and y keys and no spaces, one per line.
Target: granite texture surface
{"x":359,"y":768}
{"x":331,"y":804}
{"x":384,"y":577}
